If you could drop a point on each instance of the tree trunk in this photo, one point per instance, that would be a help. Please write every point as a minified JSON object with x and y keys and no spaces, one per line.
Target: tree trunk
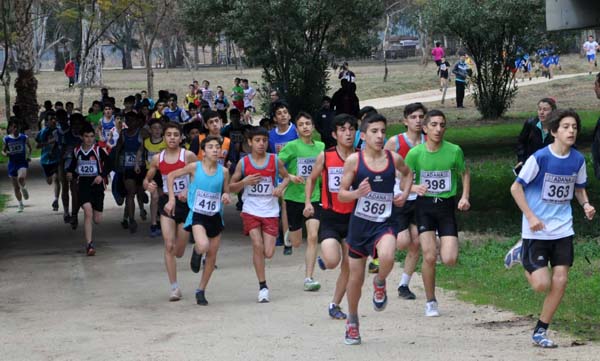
{"x":39,"y":35}
{"x":384,"y":54}
{"x":126,"y":59}
{"x":26,"y":83}
{"x":149,"y":72}
{"x":196,"y":56}
{"x":6,"y":85}
{"x":59,"y":58}
{"x":213,"y":54}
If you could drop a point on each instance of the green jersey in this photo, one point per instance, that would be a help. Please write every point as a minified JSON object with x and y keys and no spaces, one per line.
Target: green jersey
{"x":438,"y":170}
{"x":299,"y":159}
{"x":94,"y":119}
{"x":237,"y":93}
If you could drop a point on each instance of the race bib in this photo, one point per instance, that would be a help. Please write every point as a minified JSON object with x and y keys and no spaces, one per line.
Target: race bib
{"x":87,"y":168}
{"x":179,"y":184}
{"x":375,"y":207}
{"x":437,"y":182}
{"x":15,"y":148}
{"x":264,"y":188}
{"x":207,"y":203}
{"x":443,"y":67}
{"x":334,"y":179}
{"x":305,"y":166}
{"x":558,"y":189}
{"x":130,"y":160}
{"x":236,"y":137}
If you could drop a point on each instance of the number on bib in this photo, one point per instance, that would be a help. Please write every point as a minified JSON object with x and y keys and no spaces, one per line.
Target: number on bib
{"x":264,"y":188}
{"x":558,"y":189}
{"x":207,"y":203}
{"x":15,"y":148}
{"x":87,"y":168}
{"x":334,"y":179}
{"x":130,"y":160}
{"x":437,"y":182}
{"x":375,"y":207}
{"x":305,"y":166}
{"x":179,"y":184}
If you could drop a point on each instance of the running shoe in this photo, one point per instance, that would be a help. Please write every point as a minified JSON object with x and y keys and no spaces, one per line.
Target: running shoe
{"x":20,"y":208}
{"x":145,"y":198}
{"x":321,"y":263}
{"x":74,"y":222}
{"x":540,"y":338}
{"x":200,"y":299}
{"x":279,"y":242}
{"x":406,"y":293}
{"x":431,"y":309}
{"x":263,"y":295}
{"x":195,"y":261}
{"x":352,"y":336}
{"x":154,"y":230}
{"x":513,"y":256}
{"x":287,"y":250}
{"x":175,"y":295}
{"x":25,"y":193}
{"x":336,"y":313}
{"x":67,"y":218}
{"x":124,"y":223}
{"x":379,"y":296}
{"x":311,"y":285}
{"x":239,"y":206}
{"x":55,"y":205}
{"x":374,"y":266}
{"x":132,"y":226}
{"x":286,"y":239}
{"x":90,"y":250}
{"x":143,"y":214}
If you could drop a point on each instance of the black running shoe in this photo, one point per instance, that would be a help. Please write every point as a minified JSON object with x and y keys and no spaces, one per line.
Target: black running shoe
{"x":143,"y":214}
{"x":406,"y":293}
{"x":287,"y":250}
{"x":124,"y":223}
{"x":74,"y":222}
{"x":195,"y":261}
{"x":55,"y":205}
{"x":67,"y":218}
{"x":132,"y":226}
{"x":200,"y":299}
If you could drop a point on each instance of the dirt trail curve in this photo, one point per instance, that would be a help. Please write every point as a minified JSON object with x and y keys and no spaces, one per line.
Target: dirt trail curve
{"x":57,"y":304}
{"x":435,"y":95}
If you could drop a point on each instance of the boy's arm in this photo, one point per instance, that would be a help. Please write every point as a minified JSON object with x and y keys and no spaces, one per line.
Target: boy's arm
{"x":463,"y":203}
{"x":345,"y":194}
{"x":188,"y":169}
{"x":148,"y":182}
{"x":236,"y":183}
{"x":283,"y":173}
{"x":309,"y":187}
{"x":225,"y":197}
{"x":407,"y":177}
{"x":582,"y":198}
{"x":519,"y":196}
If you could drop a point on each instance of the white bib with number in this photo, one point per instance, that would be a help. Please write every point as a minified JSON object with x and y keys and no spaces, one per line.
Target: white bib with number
{"x":558,"y":189}
{"x":207,"y":203}
{"x":15,"y":148}
{"x":437,"y":182}
{"x":375,"y":207}
{"x":264,"y":188}
{"x":87,"y":168}
{"x":334,"y":178}
{"x":130,"y":160}
{"x":305,"y":166}
{"x":179,"y":185}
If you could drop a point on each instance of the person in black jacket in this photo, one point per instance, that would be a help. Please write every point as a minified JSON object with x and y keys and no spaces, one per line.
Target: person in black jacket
{"x":535,"y":134}
{"x":324,"y":122}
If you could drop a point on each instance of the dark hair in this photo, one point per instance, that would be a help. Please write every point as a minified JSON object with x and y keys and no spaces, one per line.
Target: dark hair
{"x":210,"y":138}
{"x":210,"y":114}
{"x":96,"y":102}
{"x":187,"y":128}
{"x":433,"y":113}
{"x":69,"y":103}
{"x":234,"y":111}
{"x":280,"y":104}
{"x":461,"y":53}
{"x":265,"y":121}
{"x":174,"y":125}
{"x":104,"y":90}
{"x":341,"y":119}
{"x":172,"y":96}
{"x":62,"y":116}
{"x":370,"y":119}
{"x":154,"y":121}
{"x":303,"y":114}
{"x":437,"y":43}
{"x":365,"y":111}
{"x":86,"y":128}
{"x":50,"y":114}
{"x":58,"y":104}
{"x":129,"y":99}
{"x":550,"y":101}
{"x":109,"y":105}
{"x":192,"y":106}
{"x":559,"y":114}
{"x":257,"y":131}
{"x":326,"y":98}
{"x":48,"y":104}
{"x":413,"y":107}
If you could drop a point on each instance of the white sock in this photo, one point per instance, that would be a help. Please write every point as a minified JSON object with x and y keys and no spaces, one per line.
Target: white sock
{"x":405,"y":279}
{"x":174,"y":286}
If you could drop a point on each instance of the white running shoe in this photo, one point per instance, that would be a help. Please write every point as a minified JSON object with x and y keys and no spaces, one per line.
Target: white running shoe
{"x":20,"y":208}
{"x":25,"y":193}
{"x":431,"y":309}
{"x":286,"y":239}
{"x":263,"y":295}
{"x":514,"y":255}
{"x":175,"y":295}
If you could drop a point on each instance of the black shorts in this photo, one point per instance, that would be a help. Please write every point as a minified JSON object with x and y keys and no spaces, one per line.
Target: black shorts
{"x":50,"y":169}
{"x":212,"y":224}
{"x":361,"y":247}
{"x":181,"y":209}
{"x":129,"y":173}
{"x":91,"y":193}
{"x":438,"y":62}
{"x":444,"y":74}
{"x":538,"y":252}
{"x":436,"y":214}
{"x":333,"y":225}
{"x":295,"y":214}
{"x":403,"y":217}
{"x":158,"y":180}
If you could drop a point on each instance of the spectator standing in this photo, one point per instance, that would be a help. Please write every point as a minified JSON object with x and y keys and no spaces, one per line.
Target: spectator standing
{"x":346,"y":73}
{"x":324,"y":122}
{"x":70,"y":72}
{"x":461,"y":70}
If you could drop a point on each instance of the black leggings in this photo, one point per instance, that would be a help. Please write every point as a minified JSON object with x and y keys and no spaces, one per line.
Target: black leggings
{"x":460,"y":93}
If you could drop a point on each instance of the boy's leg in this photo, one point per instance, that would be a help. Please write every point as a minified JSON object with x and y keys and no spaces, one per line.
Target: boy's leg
{"x":330,"y":253}
{"x":429,"y":250}
{"x":386,"y":251}
{"x":211,"y":260}
{"x":409,"y":240}
{"x":169,"y":231}
{"x":88,"y":215}
{"x":263,"y":247}
{"x":560,"y":276}
{"x":16,"y":188}
{"x":356,"y":279}
{"x":449,"y":250}
{"x":312,"y":231}
{"x":131,"y":189}
{"x":154,"y":208}
{"x":342,"y":280}
{"x":64,"y":184}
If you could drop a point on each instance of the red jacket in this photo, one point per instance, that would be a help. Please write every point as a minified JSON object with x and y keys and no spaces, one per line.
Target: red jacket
{"x":70,"y":69}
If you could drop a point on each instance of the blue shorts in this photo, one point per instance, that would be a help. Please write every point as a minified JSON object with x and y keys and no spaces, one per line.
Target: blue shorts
{"x":13,"y":167}
{"x":364,"y":245}
{"x":591,"y":57}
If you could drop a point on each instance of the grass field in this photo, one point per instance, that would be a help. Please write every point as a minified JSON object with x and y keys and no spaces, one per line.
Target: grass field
{"x":3,"y":200}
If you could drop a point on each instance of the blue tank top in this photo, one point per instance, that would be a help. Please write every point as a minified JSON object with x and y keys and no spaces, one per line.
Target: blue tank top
{"x":16,"y":148}
{"x":204,"y":193}
{"x":131,"y":144}
{"x":375,"y":207}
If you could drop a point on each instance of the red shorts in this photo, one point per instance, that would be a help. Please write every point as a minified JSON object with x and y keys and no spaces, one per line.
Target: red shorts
{"x":239,"y":104}
{"x":269,"y":225}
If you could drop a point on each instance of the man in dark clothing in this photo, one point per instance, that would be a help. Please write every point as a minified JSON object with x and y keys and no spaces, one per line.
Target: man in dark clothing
{"x":344,"y":100}
{"x":461,"y":70}
{"x":324,"y":122}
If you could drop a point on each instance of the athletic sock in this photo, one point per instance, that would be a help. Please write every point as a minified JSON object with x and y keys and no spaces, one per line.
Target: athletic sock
{"x":405,"y":279}
{"x":353,"y":319}
{"x":332,"y":305}
{"x":539,"y":325}
{"x":432,"y":300}
{"x":262,"y":285}
{"x":174,"y":286}
{"x":199,"y":291}
{"x":308,"y":279}
{"x":378,"y":281}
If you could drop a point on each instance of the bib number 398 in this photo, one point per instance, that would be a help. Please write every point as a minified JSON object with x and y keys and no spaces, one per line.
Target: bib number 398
{"x":437,"y":182}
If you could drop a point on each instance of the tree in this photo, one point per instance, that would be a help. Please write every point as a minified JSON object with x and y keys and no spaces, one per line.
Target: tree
{"x":7,"y":44}
{"x":492,"y":31}
{"x":120,"y":35}
{"x":294,"y":57}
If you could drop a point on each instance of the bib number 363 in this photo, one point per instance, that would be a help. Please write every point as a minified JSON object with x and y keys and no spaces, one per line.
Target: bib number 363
{"x":558,"y":189}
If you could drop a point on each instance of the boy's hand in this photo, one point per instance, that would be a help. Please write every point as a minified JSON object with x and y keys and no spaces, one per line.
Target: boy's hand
{"x":589,"y":210}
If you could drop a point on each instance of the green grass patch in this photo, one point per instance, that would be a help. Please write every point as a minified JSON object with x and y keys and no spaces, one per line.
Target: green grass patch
{"x":3,"y":201}
{"x":480,"y":277}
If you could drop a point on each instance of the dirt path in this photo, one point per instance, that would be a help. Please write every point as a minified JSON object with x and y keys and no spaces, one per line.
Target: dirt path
{"x":57,"y":304}
{"x":435,"y":95}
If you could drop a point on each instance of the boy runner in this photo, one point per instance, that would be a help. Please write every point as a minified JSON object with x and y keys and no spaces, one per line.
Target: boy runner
{"x":70,"y":130}
{"x":299,"y":157}
{"x":16,"y":145}
{"x":404,"y":218}
{"x":543,"y":191}
{"x":90,"y":167}
{"x":208,"y":191}
{"x":590,"y":47}
{"x":175,"y":236}
{"x":437,"y":165}
{"x":371,"y":173}
{"x":335,"y":215}
{"x":153,"y":145}
{"x":237,"y":95}
{"x":257,"y":174}
{"x":214,"y":124}
{"x":49,"y":140}
{"x":279,"y":136}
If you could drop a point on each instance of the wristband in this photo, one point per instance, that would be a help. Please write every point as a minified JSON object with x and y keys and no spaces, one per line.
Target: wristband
{"x":584,"y":203}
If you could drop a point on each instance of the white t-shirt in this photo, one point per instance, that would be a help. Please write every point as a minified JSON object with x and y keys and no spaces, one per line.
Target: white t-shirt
{"x":590,"y":47}
{"x":247,"y":94}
